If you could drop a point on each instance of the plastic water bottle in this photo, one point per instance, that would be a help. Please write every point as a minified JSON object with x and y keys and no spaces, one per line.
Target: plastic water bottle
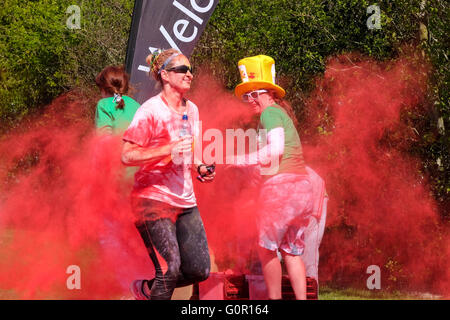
{"x":185,"y":130}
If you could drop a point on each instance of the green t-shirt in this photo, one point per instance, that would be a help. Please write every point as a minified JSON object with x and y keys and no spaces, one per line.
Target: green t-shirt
{"x":292,"y":160}
{"x":117,"y":120}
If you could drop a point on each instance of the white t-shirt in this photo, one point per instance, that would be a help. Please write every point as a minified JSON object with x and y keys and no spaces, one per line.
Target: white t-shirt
{"x":153,"y":125}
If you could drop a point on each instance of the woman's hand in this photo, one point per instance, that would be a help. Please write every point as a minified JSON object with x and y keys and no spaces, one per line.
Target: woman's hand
{"x":205,"y":174}
{"x":183,"y":144}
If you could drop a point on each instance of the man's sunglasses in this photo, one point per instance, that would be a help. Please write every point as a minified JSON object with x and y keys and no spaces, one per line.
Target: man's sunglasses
{"x":181,"y":69}
{"x":253,"y":94}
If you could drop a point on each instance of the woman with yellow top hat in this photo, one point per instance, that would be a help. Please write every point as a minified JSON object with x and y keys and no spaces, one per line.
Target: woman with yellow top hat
{"x":291,"y":193}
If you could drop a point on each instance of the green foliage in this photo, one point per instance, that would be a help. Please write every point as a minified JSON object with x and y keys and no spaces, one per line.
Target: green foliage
{"x":302,"y":35}
{"x":31,"y":55}
{"x":40,"y":57}
{"x":435,"y":150}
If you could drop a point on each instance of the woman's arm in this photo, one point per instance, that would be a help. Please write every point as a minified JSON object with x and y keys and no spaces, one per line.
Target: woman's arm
{"x":198,"y":165}
{"x":273,"y":148}
{"x":135,"y":155}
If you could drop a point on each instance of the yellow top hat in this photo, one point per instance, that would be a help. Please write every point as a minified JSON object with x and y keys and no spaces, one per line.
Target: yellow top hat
{"x":257,"y":72}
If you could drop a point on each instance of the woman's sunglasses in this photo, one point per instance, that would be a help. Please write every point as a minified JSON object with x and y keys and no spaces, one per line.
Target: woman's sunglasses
{"x":253,"y":94}
{"x":181,"y":69}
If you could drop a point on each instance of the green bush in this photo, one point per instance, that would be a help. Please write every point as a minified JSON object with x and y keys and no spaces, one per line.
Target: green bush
{"x":31,"y":55}
{"x":40,"y":57}
{"x":301,"y":35}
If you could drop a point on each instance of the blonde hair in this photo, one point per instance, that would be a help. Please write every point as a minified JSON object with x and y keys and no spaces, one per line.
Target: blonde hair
{"x":156,"y":61}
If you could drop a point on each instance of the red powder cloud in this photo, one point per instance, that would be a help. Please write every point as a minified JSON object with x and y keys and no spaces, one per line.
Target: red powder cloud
{"x":67,"y":201}
{"x":380,"y":212}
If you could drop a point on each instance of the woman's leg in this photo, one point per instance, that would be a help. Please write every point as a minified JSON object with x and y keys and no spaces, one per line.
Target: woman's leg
{"x":161,"y":241}
{"x":194,"y":253}
{"x":178,"y":251}
{"x":297,"y":275}
{"x":272,"y":272}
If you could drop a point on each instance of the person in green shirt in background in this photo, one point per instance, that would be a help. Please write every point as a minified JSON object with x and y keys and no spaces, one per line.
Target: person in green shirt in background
{"x":292,"y":197}
{"x":115,"y":110}
{"x":114,"y":113}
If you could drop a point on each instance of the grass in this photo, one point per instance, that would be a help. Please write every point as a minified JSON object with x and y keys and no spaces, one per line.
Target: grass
{"x":327,"y":293}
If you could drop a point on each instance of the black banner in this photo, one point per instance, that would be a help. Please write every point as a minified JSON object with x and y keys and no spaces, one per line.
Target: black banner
{"x":162,"y":24}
